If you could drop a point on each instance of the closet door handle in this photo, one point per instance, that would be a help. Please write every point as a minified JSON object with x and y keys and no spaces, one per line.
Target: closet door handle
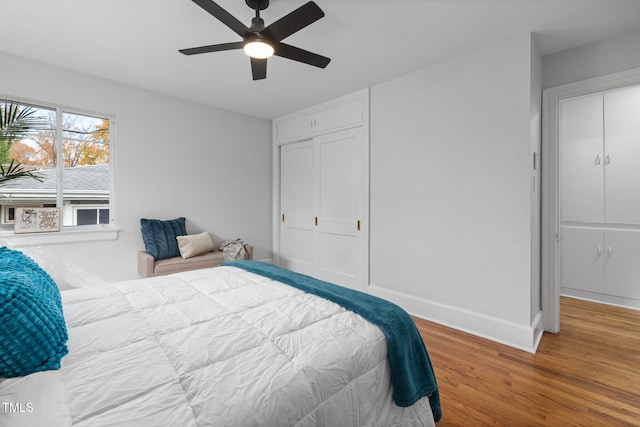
{"x":599,"y":251}
{"x":607,"y":160}
{"x":597,"y":159}
{"x":609,"y":251}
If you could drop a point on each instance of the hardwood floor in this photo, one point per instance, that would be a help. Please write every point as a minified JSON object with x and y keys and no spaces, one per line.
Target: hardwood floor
{"x":587,"y":375}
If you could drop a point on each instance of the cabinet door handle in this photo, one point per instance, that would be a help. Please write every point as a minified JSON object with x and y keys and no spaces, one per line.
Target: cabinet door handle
{"x":607,"y":160}
{"x":609,"y":251}
{"x":599,"y":251}
{"x":597,"y":159}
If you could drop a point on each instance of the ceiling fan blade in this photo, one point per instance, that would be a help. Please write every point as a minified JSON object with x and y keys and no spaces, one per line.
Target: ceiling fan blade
{"x":223,"y":16}
{"x":301,"y":55}
{"x":259,"y":68}
{"x":305,"y":15}
{"x":211,"y":48}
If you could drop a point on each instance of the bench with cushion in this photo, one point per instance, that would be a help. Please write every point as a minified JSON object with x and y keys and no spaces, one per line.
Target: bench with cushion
{"x":169,"y":249}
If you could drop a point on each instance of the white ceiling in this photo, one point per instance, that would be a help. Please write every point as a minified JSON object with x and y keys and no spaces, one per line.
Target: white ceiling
{"x":136,"y":42}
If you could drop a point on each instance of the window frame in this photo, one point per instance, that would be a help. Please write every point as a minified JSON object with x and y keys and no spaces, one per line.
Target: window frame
{"x":68,"y":233}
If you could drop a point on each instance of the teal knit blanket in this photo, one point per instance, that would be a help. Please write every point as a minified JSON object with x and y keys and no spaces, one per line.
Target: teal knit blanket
{"x":412,"y":374}
{"x":33,"y":332}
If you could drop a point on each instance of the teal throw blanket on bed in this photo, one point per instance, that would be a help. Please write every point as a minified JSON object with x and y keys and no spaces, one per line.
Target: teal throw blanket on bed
{"x":412,"y":375}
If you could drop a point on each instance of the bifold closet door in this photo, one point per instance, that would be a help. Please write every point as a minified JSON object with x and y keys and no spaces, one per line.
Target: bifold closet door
{"x":622,"y":156}
{"x":339,"y":172}
{"x":297,"y":207}
{"x":322,"y":201}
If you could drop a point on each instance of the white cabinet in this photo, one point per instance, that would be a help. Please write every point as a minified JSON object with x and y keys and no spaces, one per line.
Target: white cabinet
{"x":322,"y":192}
{"x":582,"y":256}
{"x":600,"y":158}
{"x":581,"y":155}
{"x":622,"y":266}
{"x":600,"y":193}
{"x":622,"y":156}
{"x":601,"y":261}
{"x":342,"y":115}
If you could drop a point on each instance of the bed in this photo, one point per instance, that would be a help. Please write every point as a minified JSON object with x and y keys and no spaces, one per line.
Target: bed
{"x":226,"y":346}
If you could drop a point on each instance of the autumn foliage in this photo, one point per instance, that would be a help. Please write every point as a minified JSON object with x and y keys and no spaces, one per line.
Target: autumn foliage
{"x":41,"y":150}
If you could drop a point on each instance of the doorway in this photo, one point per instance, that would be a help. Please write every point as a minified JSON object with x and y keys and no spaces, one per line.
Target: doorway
{"x":552,"y":99}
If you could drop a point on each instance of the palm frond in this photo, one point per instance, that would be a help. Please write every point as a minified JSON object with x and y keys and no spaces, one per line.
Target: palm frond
{"x":18,"y":120}
{"x":15,"y":171}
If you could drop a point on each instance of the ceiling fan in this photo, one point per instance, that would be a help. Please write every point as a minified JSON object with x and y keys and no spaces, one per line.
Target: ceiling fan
{"x":260,"y":42}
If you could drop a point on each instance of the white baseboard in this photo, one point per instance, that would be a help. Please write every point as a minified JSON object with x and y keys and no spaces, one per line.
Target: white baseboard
{"x":512,"y":334}
{"x":631,"y":303}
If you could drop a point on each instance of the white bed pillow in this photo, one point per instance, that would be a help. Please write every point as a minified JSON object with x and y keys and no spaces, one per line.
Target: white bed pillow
{"x":195,"y":244}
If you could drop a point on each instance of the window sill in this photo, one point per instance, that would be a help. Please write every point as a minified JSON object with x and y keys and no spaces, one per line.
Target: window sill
{"x":70,"y":235}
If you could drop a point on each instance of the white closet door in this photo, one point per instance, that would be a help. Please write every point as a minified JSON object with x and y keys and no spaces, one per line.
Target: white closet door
{"x":297,"y":199}
{"x":581,"y":159}
{"x":622,"y":156}
{"x":622,"y":266}
{"x":583,"y":254}
{"x":339,"y":172}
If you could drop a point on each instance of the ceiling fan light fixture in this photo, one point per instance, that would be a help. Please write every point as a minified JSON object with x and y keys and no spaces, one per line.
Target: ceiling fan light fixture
{"x":258,"y":49}
{"x":260,"y":42}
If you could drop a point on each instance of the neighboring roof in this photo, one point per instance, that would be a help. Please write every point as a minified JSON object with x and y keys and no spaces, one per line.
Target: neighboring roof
{"x":90,"y":179}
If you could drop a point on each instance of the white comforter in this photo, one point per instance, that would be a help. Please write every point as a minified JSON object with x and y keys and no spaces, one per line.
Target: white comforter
{"x":214,"y":347}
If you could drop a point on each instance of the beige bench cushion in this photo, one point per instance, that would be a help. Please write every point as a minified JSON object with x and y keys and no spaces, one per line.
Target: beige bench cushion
{"x":148,"y":267}
{"x":176,"y":264}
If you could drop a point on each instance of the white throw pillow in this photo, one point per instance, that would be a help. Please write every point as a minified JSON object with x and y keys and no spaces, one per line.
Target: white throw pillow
{"x":195,"y":244}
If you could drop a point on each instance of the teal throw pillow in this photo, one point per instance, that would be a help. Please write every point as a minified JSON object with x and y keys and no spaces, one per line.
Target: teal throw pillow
{"x":159,"y":236}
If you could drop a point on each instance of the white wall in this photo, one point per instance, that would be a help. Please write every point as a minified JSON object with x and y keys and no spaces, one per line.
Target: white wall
{"x":450,"y":201}
{"x":173,"y":158}
{"x":535,"y":185}
{"x":593,"y":60}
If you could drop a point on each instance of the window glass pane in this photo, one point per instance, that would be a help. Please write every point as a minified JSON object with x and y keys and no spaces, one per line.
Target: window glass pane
{"x":87,"y":216}
{"x":85,"y":140}
{"x":28,"y":134}
{"x":86,"y":174}
{"x":27,"y":138}
{"x":85,"y":128}
{"x":103,"y":216}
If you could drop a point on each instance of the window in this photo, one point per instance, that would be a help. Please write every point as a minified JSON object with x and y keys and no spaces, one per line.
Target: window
{"x":65,"y":155}
{"x":88,"y":216}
